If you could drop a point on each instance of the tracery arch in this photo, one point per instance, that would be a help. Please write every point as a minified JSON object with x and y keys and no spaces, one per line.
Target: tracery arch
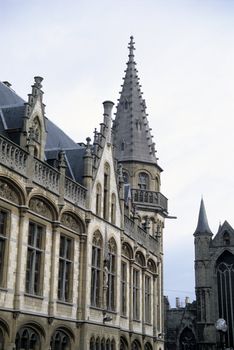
{"x":136,"y":345}
{"x":139,"y":258}
{"x":123,"y":343}
{"x":225,"y":286}
{"x":187,"y":339}
{"x":28,"y":338}
{"x":127,"y":250}
{"x":72,"y":221}
{"x":43,"y":207}
{"x":60,"y":340}
{"x":11,"y":191}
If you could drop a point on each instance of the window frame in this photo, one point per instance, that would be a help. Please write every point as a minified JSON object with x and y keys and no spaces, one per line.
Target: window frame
{"x":136,"y":294}
{"x":96,"y":273}
{"x":4,"y":243}
{"x":148,"y":301}
{"x":65,"y":262}
{"x":36,"y":251}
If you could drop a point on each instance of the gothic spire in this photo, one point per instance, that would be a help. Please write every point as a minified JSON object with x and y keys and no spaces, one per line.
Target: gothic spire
{"x":131,"y":132}
{"x":202,"y":225}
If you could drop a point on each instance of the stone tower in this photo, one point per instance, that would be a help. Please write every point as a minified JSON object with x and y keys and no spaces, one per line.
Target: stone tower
{"x":203,"y":238}
{"x":136,"y":156}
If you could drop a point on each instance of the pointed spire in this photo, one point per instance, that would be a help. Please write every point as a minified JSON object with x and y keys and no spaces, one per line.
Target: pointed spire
{"x":131,"y":133}
{"x":202,"y":225}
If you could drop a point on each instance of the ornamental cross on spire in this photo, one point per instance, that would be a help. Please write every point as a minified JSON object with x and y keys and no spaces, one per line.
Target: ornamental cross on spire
{"x":131,"y":48}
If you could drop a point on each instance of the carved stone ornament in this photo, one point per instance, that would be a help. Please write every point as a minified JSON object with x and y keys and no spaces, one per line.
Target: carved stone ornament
{"x":6,"y":191}
{"x":70,"y":222}
{"x":40,"y":207}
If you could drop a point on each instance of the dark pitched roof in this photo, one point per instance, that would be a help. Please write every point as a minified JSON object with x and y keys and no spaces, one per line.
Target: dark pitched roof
{"x":8,"y":97}
{"x":131,"y":132}
{"x":202,"y":225}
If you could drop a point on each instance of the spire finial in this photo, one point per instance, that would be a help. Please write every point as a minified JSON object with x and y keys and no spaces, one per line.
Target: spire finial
{"x":131,"y":48}
{"x":202,"y":225}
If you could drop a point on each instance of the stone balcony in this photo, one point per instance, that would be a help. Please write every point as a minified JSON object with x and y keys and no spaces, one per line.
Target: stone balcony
{"x":149,"y":199}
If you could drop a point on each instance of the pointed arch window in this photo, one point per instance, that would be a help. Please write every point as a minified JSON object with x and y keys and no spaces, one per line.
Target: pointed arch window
{"x":225,"y":280}
{"x":143,"y":181}
{"x":113,"y":208}
{"x":98,"y":199}
{"x":111,"y":275}
{"x":60,"y":341}
{"x":27,"y":339}
{"x":1,"y":339}
{"x":106,"y":191}
{"x":96,"y":270}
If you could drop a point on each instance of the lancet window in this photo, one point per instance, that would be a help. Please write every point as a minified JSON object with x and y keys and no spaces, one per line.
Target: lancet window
{"x":96,"y":269}
{"x":111,"y":275}
{"x":106,"y":192}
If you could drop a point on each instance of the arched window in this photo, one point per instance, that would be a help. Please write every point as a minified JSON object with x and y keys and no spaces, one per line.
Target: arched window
{"x":96,"y":269}
{"x":123,"y":344}
{"x":110,"y":297}
{"x":108,"y":344}
{"x":113,"y":345}
{"x":143,"y":181}
{"x":97,"y":344}
{"x":187,"y":340}
{"x":92,"y":344}
{"x":140,"y":259}
{"x":136,"y":345}
{"x":106,"y":191}
{"x":1,"y":339}
{"x":27,"y":339}
{"x":60,"y":341}
{"x":148,"y":346}
{"x":113,"y":208}
{"x":98,"y":199}
{"x":103,"y":344}
{"x":225,"y":280}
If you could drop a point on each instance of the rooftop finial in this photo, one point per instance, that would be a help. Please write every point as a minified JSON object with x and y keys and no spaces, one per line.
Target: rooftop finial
{"x":131,"y":48}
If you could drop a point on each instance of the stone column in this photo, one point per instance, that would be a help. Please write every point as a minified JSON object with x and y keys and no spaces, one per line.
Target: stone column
{"x":53,"y":280}
{"x":82,"y":284}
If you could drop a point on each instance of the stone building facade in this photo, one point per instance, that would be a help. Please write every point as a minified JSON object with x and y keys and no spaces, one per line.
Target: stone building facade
{"x":81,"y":228}
{"x":214,"y":282}
{"x":214,"y":287}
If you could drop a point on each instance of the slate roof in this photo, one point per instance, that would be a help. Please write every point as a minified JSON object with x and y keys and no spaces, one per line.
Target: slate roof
{"x":8,"y":97}
{"x":202,"y":225}
{"x":131,"y":132}
{"x":12,"y":109}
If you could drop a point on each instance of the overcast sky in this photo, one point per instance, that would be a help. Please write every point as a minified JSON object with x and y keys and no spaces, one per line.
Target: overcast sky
{"x":185,"y":57}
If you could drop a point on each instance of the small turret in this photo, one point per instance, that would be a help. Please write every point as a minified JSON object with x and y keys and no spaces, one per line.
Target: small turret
{"x":108,"y":105}
{"x":202,"y":225}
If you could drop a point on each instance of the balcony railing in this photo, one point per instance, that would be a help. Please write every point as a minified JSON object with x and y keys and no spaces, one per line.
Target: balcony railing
{"x":149,"y":198}
{"x":139,"y":235}
{"x":17,"y":159}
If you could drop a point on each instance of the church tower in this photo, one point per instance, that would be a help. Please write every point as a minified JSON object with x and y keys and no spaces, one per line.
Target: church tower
{"x":136,"y":157}
{"x":135,"y":151}
{"x":203,"y":283}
